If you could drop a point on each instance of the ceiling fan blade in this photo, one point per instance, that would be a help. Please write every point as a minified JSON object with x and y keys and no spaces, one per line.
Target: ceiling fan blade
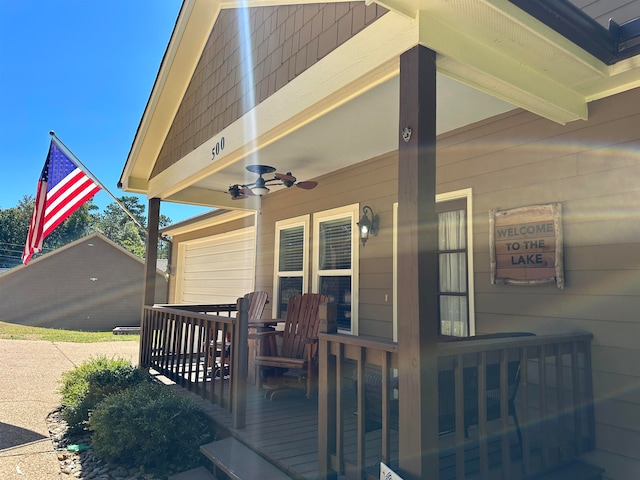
{"x":259,"y":187}
{"x":239,"y":192}
{"x":234,"y":191}
{"x":285,"y":177}
{"x":308,"y":185}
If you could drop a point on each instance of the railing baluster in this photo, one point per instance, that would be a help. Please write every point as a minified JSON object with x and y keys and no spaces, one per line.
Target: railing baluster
{"x":172,"y":328}
{"x":575,"y":397}
{"x":171,"y":350}
{"x":195,"y":352}
{"x":191,"y":339}
{"x":197,"y":347}
{"x":186,"y":349}
{"x":203,"y":349}
{"x":386,"y":410}
{"x":361,"y":411}
{"x":179,"y":349}
{"x":222,"y":364}
{"x":154,"y":330}
{"x":156,"y":321}
{"x":525,"y":446}
{"x":459,"y":413}
{"x":166,"y":342}
{"x":544,"y":413}
{"x":144,"y":340}
{"x":562,"y":431}
{"x":482,"y":415}
{"x":215,"y":386}
{"x":339,"y":408}
{"x":504,"y":414}
{"x":588,"y":397}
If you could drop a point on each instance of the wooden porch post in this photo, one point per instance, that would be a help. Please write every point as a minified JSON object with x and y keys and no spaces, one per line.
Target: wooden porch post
{"x":239,"y":363}
{"x":151,"y":257}
{"x":417,"y":267}
{"x":327,"y":402}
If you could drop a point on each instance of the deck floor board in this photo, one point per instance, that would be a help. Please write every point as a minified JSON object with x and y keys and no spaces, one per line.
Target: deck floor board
{"x":284,"y":431}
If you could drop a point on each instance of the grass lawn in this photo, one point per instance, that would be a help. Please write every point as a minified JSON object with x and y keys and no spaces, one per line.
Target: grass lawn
{"x":21,"y":332}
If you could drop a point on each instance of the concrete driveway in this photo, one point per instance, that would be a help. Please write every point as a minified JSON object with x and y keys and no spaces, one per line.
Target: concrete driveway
{"x":29,"y":375}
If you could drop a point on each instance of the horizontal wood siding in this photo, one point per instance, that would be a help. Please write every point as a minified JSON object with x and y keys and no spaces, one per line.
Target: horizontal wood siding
{"x":371,"y":183}
{"x":518,"y":159}
{"x":514,"y":160}
{"x":592,"y":168}
{"x":233,"y":77}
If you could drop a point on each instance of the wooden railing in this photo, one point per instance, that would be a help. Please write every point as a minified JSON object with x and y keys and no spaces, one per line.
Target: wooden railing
{"x":202,"y":348}
{"x":509,"y":408}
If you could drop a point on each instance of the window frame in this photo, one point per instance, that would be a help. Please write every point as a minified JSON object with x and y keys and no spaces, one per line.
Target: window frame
{"x":466,"y":193}
{"x":302,"y":220}
{"x":351,"y":212}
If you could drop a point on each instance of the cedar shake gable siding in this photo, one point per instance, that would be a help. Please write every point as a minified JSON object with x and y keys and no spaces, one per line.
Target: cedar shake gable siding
{"x":285,"y":41}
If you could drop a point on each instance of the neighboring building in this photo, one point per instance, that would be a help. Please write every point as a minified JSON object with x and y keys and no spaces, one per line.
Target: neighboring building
{"x":91,"y":284}
{"x":537,"y":107}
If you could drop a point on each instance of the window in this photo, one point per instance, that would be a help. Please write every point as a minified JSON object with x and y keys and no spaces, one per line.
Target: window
{"x":455,"y":265}
{"x":453,"y":305}
{"x":290,"y":262}
{"x":334,"y":264}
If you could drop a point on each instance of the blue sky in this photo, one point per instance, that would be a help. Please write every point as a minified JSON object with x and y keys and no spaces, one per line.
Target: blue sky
{"x":83,"y":69}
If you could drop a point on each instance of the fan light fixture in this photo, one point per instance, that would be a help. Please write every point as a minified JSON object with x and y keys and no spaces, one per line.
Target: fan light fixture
{"x":368,"y":225}
{"x":259,"y":187}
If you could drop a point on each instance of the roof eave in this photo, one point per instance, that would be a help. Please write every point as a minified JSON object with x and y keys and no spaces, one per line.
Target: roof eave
{"x":607,"y":45}
{"x":190,"y":33}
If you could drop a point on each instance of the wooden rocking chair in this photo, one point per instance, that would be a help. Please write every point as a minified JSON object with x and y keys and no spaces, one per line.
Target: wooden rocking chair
{"x":299,"y":346}
{"x":257,"y":301}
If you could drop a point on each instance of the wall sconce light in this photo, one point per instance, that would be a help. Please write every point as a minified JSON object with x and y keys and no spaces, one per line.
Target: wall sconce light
{"x":368,"y":225}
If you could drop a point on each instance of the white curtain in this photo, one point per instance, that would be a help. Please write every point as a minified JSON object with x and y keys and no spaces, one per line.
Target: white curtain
{"x":453,"y":272}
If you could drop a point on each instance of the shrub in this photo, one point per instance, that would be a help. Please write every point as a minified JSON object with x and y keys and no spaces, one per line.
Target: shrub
{"x":89,"y":383}
{"x":148,"y":425}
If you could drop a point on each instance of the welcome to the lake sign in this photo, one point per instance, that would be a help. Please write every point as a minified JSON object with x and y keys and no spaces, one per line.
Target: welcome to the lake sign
{"x":526,"y":245}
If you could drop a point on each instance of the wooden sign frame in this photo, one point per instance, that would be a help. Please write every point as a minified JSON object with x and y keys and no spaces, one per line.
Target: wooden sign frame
{"x":526,"y":245}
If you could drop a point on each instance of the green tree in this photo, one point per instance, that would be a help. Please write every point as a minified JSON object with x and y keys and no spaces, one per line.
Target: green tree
{"x":77,"y":225}
{"x":131,"y":241}
{"x":116,"y":225}
{"x":113,"y":222}
{"x":113,"y":219}
{"x":14,"y":224}
{"x":14,"y":227}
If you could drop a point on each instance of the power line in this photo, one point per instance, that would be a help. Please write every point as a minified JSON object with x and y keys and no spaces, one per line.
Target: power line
{"x":20,"y":246}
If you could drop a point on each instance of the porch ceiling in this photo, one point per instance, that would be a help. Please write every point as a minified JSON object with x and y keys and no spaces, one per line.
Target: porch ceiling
{"x":492,"y":57}
{"x":362,"y":128}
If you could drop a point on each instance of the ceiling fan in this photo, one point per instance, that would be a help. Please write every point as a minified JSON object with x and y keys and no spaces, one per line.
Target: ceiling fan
{"x":260,"y":186}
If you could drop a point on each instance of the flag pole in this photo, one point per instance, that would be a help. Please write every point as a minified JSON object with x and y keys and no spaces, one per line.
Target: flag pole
{"x":77,"y":161}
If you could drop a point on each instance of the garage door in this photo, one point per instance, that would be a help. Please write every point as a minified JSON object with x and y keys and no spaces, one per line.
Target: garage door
{"x":217,"y":269}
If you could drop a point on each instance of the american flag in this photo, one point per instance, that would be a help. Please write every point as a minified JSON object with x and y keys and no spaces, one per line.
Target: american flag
{"x":62,"y":189}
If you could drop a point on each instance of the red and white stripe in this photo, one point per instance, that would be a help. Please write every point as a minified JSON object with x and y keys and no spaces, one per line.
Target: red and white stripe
{"x":53,"y":207}
{"x":35,"y":237}
{"x":66,"y":197}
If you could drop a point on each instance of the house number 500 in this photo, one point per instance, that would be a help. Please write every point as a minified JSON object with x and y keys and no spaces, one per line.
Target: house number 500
{"x":217,"y":149}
